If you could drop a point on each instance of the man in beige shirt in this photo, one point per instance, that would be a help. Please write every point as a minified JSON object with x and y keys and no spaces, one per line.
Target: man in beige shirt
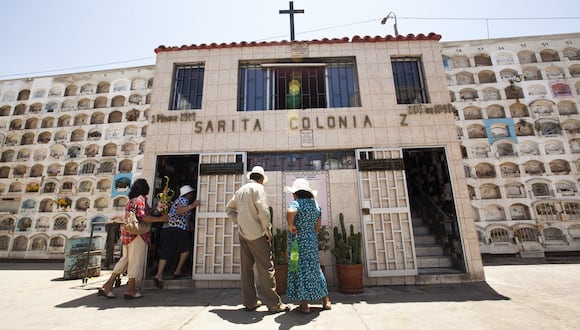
{"x":249,"y":209}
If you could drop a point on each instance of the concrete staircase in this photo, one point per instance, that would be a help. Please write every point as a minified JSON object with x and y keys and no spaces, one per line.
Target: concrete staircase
{"x":431,"y":258}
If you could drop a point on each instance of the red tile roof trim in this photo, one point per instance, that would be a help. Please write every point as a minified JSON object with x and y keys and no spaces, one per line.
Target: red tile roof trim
{"x":409,"y":37}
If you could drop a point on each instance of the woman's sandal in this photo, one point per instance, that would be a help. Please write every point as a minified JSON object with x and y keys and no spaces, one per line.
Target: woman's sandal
{"x":104,"y":293}
{"x":158,"y":283}
{"x":326,"y":304}
{"x":303,"y":310}
{"x":133,"y":296}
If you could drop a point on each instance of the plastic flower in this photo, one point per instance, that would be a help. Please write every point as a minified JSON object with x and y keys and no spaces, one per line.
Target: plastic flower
{"x":165,"y":197}
{"x":63,"y":202}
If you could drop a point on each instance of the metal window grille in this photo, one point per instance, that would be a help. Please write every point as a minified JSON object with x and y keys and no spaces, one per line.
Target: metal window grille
{"x":499,"y":235}
{"x":572,"y":209}
{"x":409,"y":81}
{"x":547,"y":212}
{"x":187,"y":87}
{"x":527,"y":234}
{"x":288,"y":86}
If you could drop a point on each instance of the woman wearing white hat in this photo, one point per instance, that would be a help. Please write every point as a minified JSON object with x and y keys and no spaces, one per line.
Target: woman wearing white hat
{"x":175,"y":235}
{"x":307,"y":283}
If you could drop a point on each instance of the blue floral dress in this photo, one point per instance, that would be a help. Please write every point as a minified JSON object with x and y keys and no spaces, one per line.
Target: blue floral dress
{"x":308,"y":283}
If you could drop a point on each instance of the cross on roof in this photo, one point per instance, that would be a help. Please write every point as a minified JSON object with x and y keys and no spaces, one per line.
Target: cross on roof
{"x":292,"y":11}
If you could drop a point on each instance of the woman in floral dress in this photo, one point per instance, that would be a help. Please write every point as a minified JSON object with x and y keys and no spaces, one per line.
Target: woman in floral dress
{"x":308,"y":283}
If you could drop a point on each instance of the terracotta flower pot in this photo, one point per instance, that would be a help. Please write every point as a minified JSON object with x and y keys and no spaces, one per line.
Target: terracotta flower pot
{"x":350,"y":278}
{"x":281,"y":275}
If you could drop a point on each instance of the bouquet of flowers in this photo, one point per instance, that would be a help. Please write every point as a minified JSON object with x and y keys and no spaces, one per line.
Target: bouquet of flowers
{"x":63,"y":203}
{"x":165,"y":197}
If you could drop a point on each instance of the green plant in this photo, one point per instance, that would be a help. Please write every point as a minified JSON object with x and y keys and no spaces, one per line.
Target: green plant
{"x":280,"y":246}
{"x":279,"y":243}
{"x":347,"y":249}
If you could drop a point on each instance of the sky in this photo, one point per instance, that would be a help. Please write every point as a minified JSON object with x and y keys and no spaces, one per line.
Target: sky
{"x":51,"y":37}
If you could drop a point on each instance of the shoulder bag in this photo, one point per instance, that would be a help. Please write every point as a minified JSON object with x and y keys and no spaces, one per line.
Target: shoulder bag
{"x":133,"y":226}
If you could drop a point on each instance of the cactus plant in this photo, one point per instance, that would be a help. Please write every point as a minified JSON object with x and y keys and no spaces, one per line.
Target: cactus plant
{"x":279,"y":244}
{"x":347,"y":248}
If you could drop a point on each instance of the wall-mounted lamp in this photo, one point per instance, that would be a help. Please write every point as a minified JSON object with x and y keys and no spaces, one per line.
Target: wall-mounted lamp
{"x":384,"y":20}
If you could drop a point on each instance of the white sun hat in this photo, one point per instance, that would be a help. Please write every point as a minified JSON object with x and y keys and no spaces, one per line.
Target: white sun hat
{"x":185,"y":190}
{"x":259,"y":170}
{"x":301,"y":184}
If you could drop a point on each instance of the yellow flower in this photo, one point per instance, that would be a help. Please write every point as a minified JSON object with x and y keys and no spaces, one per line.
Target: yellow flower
{"x":165,"y":197}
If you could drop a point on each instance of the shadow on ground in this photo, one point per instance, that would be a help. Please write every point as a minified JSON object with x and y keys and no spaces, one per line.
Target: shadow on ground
{"x":479,"y":291}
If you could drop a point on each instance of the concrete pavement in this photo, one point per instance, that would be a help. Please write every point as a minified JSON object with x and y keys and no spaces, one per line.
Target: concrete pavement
{"x":517,"y":296}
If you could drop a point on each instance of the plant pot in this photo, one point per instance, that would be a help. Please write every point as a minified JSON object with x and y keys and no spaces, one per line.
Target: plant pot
{"x":350,"y":278}
{"x":281,"y":275}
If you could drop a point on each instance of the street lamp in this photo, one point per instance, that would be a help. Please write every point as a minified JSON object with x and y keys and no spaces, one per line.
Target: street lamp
{"x":384,"y":20}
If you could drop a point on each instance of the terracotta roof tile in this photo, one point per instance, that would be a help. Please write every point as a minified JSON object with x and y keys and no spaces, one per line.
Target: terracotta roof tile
{"x":408,"y":37}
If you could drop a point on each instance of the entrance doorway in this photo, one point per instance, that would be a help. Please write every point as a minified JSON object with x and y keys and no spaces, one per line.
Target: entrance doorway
{"x":438,"y":242}
{"x":181,"y":170}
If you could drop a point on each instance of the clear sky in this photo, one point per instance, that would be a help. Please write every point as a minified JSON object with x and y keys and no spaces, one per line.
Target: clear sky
{"x":49,"y":37}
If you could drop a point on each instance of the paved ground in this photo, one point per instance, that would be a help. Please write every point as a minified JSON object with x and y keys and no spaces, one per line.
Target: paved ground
{"x":516,"y":295}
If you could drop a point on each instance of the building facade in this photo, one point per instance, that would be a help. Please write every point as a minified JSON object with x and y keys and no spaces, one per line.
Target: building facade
{"x":71,"y":145}
{"x":518,"y":123}
{"x":367,"y":120}
{"x":433,"y":159}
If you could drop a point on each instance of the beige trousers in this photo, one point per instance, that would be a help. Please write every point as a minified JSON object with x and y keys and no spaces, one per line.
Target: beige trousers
{"x":258,"y":253}
{"x":133,"y":259}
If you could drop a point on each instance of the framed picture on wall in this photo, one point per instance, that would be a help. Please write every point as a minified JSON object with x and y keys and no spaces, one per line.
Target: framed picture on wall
{"x":318,"y":181}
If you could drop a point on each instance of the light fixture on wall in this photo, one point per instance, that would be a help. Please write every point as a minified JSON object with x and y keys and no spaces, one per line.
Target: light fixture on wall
{"x":391,"y":15}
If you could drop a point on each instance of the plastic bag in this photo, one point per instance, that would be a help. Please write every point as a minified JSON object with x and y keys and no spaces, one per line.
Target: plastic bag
{"x":294,"y":255}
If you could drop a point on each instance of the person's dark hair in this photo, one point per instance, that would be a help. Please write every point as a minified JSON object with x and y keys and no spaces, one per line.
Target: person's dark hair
{"x":139,"y":188}
{"x":304,"y":194}
{"x":256,"y":176}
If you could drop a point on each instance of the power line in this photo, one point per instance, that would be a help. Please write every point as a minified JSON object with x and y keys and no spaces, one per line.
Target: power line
{"x":486,"y":19}
{"x":490,"y":18}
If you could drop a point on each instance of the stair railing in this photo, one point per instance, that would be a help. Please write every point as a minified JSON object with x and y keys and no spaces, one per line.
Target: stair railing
{"x":441,"y":223}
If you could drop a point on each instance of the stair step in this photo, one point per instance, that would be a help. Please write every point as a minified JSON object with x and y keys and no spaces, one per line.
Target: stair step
{"x":425,"y":240}
{"x":417,"y":221}
{"x":439,"y":270}
{"x":434,"y":262}
{"x":420,"y":230}
{"x":428,"y":250}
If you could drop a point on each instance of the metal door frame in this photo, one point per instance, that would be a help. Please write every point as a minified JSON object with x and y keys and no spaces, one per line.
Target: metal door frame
{"x":385,"y":255}
{"x":216,"y":251}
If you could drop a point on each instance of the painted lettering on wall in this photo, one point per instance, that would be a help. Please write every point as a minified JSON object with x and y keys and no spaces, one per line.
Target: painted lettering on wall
{"x":437,"y":108}
{"x":211,"y":126}
{"x":421,"y":108}
{"x":328,"y":122}
{"x":255,"y":125}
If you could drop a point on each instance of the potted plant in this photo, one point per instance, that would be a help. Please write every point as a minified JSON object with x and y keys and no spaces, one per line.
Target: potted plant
{"x":280,"y":256}
{"x":348,"y":253}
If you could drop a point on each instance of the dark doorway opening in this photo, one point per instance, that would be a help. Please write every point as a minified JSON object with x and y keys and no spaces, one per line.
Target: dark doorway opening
{"x":438,"y":243}
{"x":181,"y":170}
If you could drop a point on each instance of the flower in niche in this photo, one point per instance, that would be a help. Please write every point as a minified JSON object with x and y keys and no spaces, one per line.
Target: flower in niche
{"x":63,"y":202}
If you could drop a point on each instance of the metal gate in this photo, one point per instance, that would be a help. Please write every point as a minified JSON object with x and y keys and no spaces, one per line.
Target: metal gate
{"x":386,"y":215}
{"x":216,"y":251}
